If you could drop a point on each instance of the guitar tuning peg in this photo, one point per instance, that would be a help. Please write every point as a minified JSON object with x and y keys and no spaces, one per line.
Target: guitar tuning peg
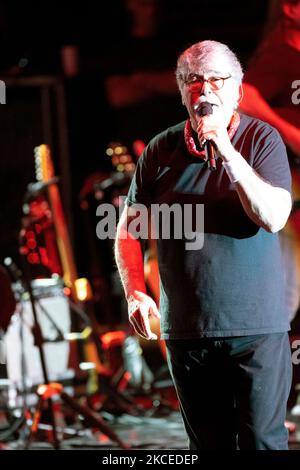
{"x":109,"y":151}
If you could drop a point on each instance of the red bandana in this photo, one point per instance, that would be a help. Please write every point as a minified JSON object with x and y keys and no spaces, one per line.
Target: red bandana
{"x":189,"y":139}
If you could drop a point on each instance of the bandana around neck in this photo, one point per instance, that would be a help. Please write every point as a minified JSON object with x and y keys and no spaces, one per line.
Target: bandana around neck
{"x":190,"y":142}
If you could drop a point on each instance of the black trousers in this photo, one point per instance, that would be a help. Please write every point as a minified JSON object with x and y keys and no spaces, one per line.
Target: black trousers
{"x":233,"y":391}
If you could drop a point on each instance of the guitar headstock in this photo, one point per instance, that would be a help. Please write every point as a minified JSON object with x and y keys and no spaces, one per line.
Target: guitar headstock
{"x":44,"y":169}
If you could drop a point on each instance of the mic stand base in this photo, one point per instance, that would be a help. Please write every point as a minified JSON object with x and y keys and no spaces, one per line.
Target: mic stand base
{"x":47,"y":391}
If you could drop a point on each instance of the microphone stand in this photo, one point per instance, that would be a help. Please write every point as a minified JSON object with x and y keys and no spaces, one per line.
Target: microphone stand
{"x":38,"y":341}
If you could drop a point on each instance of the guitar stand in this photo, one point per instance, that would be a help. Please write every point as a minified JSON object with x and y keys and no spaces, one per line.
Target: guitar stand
{"x":48,"y":391}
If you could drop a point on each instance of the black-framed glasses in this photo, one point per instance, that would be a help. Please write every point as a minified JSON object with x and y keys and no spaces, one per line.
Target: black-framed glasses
{"x":195,"y":82}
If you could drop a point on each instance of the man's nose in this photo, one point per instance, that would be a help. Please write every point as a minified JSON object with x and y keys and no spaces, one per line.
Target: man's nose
{"x":206,"y":90}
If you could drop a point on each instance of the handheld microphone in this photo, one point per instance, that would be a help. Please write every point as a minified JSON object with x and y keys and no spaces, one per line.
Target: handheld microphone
{"x":204,"y":109}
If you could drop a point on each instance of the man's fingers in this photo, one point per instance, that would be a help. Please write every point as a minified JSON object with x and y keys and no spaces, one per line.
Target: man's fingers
{"x":144,"y":316}
{"x":142,"y":326}
{"x":139,"y":309}
{"x":137,"y":326}
{"x":155,"y":311}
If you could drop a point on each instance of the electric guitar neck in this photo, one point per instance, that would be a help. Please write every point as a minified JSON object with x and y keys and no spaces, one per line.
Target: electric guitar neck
{"x":45,"y":173}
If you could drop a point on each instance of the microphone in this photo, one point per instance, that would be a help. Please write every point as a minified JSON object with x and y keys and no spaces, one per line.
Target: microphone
{"x":204,"y":109}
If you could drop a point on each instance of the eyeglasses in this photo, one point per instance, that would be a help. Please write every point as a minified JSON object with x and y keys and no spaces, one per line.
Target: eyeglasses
{"x":195,"y":82}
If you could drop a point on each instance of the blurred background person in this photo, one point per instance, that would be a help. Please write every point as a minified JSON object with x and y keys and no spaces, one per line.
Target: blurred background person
{"x":270,"y":95}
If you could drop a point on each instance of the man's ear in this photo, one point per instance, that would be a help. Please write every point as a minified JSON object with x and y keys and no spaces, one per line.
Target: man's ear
{"x":241,"y":95}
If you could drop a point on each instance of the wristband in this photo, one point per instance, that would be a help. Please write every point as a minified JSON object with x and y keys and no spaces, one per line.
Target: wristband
{"x":236,"y":168}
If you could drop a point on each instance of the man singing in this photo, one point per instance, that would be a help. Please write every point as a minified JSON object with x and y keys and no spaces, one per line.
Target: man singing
{"x":222,"y":306}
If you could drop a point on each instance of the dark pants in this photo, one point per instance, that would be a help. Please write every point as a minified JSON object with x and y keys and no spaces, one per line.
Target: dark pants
{"x":233,"y":391}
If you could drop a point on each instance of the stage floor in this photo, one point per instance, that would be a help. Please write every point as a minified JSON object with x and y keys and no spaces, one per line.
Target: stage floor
{"x":142,"y":420}
{"x":138,"y":432}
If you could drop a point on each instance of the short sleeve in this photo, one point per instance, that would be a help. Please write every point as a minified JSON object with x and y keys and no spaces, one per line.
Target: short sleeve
{"x":140,"y":190}
{"x":270,"y":160}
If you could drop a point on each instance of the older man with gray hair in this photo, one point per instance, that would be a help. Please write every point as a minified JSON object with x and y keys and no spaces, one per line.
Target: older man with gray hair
{"x":222,"y":305}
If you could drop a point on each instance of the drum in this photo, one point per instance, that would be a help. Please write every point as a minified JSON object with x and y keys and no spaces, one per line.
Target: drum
{"x":54,"y":317}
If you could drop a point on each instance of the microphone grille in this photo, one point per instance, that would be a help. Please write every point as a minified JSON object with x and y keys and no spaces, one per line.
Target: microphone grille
{"x":204,"y":108}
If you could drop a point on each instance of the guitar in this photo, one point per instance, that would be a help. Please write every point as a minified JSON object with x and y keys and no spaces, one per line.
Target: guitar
{"x":45,"y":173}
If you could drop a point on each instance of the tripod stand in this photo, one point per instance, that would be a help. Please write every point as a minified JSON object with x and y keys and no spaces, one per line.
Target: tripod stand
{"x":48,"y":390}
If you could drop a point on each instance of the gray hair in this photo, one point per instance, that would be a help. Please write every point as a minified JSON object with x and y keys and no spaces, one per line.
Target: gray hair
{"x":200,"y":53}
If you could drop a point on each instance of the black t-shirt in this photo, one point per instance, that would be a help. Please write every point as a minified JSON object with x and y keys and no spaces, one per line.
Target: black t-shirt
{"x":233,"y":285}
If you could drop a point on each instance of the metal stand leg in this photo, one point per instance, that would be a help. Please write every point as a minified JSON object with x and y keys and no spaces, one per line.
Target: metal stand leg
{"x":47,"y":392}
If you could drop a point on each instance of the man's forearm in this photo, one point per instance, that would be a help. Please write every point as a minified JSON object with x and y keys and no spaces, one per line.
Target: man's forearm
{"x":266,"y":205}
{"x":129,"y":259}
